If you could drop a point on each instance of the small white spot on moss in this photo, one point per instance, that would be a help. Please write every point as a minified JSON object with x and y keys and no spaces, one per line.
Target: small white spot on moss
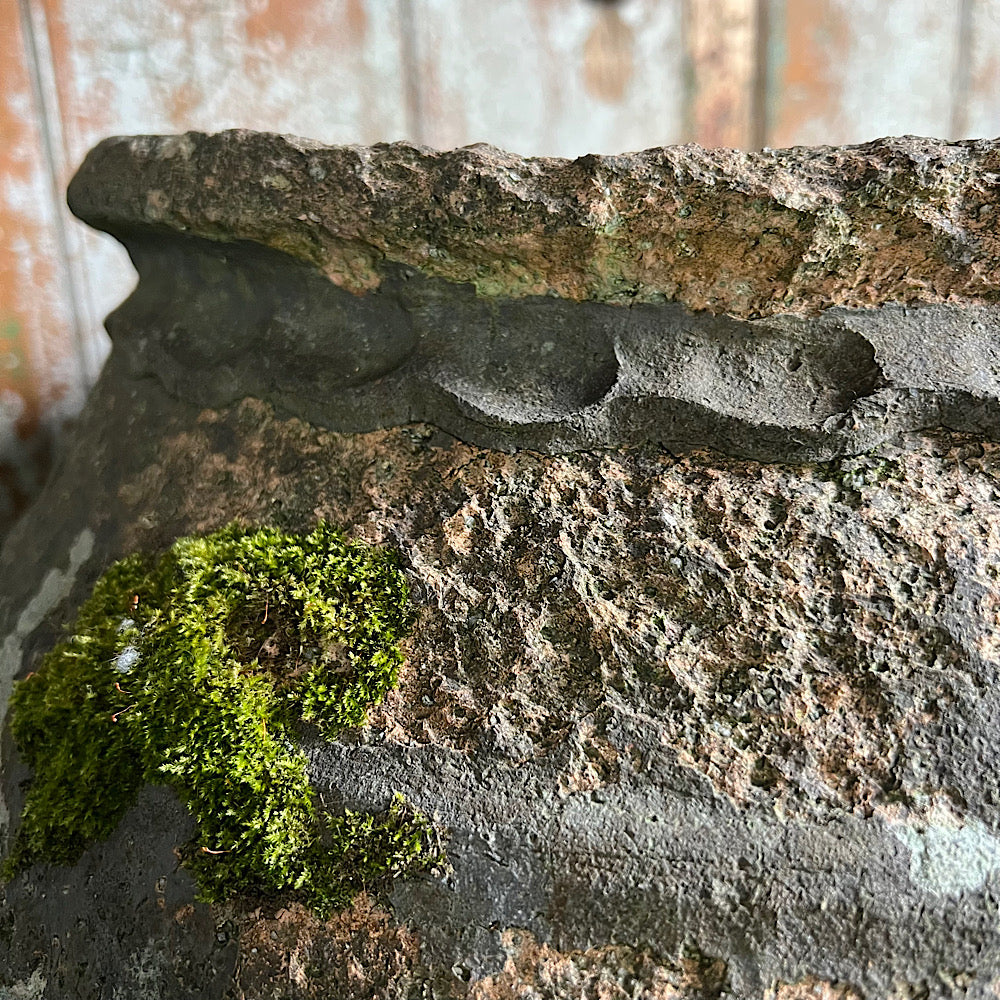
{"x":126,"y":659}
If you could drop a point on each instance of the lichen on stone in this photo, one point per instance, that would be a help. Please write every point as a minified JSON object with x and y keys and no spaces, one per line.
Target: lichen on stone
{"x":539,"y":971}
{"x":744,"y":233}
{"x":196,"y":670}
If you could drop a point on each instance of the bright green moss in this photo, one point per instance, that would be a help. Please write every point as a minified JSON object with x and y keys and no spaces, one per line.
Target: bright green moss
{"x":194,"y":670}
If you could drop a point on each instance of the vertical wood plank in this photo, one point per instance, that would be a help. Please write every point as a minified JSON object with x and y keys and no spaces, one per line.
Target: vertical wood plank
{"x":962,"y":78}
{"x":722,"y":49}
{"x":550,"y":77}
{"x":851,"y":70}
{"x":37,"y":357}
{"x":979,"y":114}
{"x":89,"y":349}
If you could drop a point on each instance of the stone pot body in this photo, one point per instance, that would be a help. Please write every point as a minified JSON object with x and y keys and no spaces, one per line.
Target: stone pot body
{"x":690,"y":458}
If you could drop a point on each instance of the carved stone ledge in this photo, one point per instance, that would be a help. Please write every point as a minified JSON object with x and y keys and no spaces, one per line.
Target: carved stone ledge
{"x":797,"y":304}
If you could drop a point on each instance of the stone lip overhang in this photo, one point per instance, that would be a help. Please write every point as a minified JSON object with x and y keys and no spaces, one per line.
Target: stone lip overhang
{"x":786,"y":305}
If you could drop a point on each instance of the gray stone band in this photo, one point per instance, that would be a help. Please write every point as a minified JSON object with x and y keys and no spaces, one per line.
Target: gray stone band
{"x":363,"y":289}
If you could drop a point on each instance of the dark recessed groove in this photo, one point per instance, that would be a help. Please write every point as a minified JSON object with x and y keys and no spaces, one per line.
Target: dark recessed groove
{"x":220,"y":321}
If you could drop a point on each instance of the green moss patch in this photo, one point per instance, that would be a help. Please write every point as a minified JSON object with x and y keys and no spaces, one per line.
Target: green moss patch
{"x":195,"y":670}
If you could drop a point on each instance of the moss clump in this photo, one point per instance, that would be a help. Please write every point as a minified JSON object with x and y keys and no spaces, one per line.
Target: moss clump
{"x":193,"y":670}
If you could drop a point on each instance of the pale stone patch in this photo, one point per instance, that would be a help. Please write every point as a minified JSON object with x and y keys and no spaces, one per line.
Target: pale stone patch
{"x":32,"y":988}
{"x":55,"y":587}
{"x":949,"y":855}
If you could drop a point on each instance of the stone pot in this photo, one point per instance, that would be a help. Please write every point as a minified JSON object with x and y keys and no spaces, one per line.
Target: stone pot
{"x":689,"y":457}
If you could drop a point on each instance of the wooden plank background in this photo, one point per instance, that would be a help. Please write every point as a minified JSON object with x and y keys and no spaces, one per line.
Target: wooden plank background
{"x":544,"y":77}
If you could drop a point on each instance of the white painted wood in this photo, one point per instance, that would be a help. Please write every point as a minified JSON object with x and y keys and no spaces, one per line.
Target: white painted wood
{"x":847,"y":71}
{"x":979,"y":116}
{"x":326,"y":69}
{"x":551,"y":77}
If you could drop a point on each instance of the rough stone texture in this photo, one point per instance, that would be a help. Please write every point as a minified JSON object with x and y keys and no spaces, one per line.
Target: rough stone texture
{"x":670,"y":710}
{"x":474,"y":261}
{"x":700,"y":722}
{"x":909,"y":220}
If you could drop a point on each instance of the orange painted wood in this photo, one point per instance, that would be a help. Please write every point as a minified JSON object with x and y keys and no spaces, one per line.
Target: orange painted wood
{"x":846,"y":71}
{"x":722,"y":49}
{"x":37,"y":357}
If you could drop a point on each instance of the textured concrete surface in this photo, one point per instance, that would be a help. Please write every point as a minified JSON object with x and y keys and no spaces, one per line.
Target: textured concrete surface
{"x":698,"y":713}
{"x":712,"y":719}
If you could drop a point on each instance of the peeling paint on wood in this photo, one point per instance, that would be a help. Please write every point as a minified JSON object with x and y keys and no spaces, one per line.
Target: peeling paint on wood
{"x":853,"y":70}
{"x":551,"y":77}
{"x":33,"y":368}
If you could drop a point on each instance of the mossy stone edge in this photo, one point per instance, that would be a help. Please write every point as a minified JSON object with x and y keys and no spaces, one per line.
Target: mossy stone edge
{"x":195,"y":670}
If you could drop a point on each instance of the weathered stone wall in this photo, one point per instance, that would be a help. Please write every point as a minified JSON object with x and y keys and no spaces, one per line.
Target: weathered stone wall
{"x":702,"y":686}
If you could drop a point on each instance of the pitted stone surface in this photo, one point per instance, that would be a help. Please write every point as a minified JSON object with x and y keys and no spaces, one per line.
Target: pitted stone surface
{"x":737,"y":715}
{"x":692,"y":462}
